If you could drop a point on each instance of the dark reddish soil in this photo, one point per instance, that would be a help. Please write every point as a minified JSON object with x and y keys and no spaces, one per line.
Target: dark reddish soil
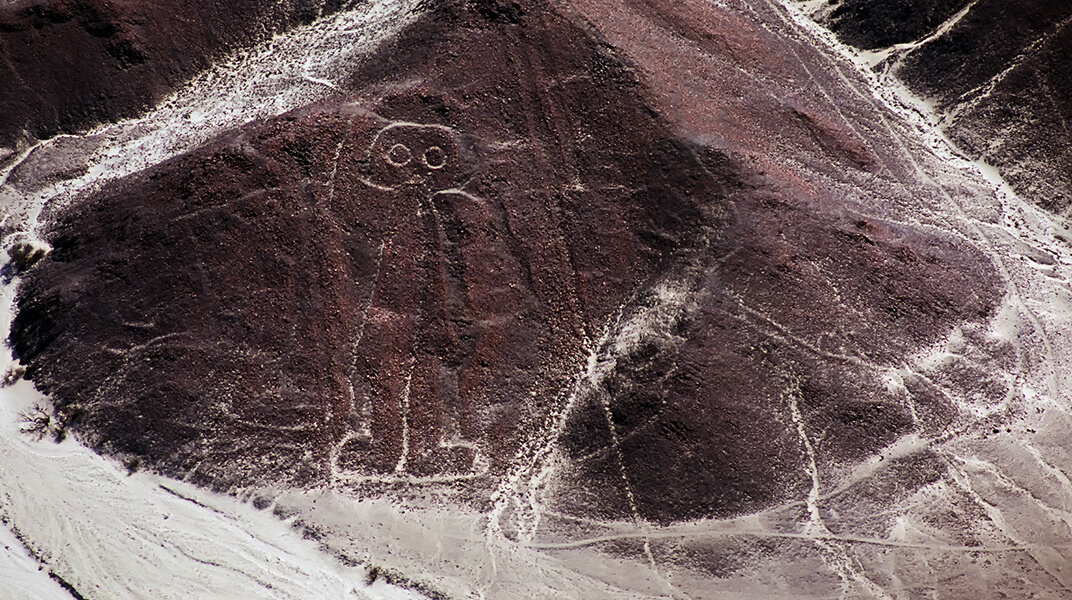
{"x":409,"y":282}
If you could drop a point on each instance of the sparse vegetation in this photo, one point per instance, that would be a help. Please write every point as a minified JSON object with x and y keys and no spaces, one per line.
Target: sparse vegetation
{"x":42,"y":420}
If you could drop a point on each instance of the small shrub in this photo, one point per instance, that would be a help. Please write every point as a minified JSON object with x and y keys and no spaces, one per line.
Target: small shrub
{"x":41,"y":420}
{"x":24,"y":255}
{"x":38,"y":422}
{"x":13,"y":375}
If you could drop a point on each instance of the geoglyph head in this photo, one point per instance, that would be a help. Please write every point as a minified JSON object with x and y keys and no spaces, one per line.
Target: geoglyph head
{"x":412,"y":154}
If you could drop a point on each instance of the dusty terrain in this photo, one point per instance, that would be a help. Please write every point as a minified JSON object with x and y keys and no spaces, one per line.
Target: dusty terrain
{"x":563,"y":299}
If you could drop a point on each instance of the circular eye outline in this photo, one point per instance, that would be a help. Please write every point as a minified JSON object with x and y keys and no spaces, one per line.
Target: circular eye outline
{"x":393,"y":153}
{"x":438,"y":158}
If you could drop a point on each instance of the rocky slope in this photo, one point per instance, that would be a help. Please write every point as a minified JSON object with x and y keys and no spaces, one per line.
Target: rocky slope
{"x":655,"y":299}
{"x":397,"y":287}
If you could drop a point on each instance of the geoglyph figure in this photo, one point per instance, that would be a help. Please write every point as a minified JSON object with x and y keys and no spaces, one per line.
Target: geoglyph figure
{"x":405,"y":425}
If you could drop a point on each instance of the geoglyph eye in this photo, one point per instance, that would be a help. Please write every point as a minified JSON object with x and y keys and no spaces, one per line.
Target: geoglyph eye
{"x":435,"y":157}
{"x":399,"y":155}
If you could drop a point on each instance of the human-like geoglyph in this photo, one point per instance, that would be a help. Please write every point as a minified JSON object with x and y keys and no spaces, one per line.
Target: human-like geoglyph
{"x":418,"y":163}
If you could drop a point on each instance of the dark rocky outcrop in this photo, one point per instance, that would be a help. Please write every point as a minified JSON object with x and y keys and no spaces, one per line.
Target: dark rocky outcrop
{"x":873,"y":24}
{"x":69,"y":64}
{"x":1001,"y":78}
{"x":998,"y":79}
{"x":512,"y":220}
